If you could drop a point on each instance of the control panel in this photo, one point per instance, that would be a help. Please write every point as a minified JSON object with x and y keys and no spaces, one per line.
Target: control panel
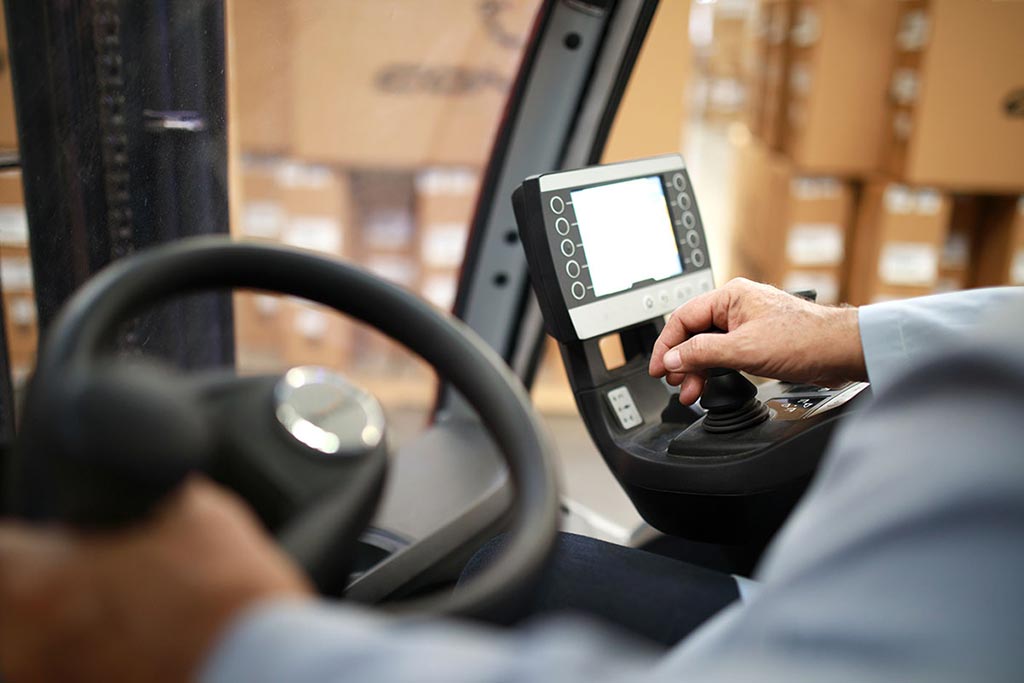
{"x":611,"y":250}
{"x":621,"y":244}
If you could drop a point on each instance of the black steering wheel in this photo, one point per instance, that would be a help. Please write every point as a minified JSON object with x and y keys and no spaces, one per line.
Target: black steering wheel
{"x":104,"y":439}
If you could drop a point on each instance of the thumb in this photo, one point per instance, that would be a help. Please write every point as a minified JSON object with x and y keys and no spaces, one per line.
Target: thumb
{"x":703,"y":351}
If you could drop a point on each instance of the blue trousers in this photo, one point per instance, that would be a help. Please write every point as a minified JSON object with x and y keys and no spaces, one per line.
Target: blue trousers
{"x":655,"y":597}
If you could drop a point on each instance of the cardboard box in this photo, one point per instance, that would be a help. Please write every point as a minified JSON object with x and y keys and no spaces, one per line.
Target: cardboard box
{"x":314,"y":335}
{"x":955,"y":271}
{"x":263,"y":215}
{"x":651,"y":116}
{"x":318,"y":204}
{"x":999,"y":244}
{"x":8,"y":126}
{"x":793,"y":228}
{"x":307,"y":207}
{"x":839,"y":64}
{"x":260,"y":36}
{"x":779,"y":20}
{"x":392,"y":83}
{"x":13,"y":219}
{"x":21,"y":329}
{"x":899,"y":237}
{"x":956,"y":93}
{"x":444,"y":202}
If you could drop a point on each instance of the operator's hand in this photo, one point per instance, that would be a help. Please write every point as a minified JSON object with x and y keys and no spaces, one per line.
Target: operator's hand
{"x":144,"y":604}
{"x":767,"y":332}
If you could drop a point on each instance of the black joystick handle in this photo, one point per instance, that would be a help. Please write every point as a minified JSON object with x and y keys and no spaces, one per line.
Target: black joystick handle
{"x":726,"y":390}
{"x":731,"y":402}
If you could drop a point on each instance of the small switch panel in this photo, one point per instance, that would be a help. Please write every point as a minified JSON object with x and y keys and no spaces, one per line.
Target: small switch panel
{"x":622,"y":404}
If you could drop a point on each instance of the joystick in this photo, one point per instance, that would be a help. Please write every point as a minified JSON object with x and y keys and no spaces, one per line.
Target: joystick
{"x":731,"y":402}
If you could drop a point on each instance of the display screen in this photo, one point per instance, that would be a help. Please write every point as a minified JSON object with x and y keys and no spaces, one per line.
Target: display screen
{"x":626,"y":233}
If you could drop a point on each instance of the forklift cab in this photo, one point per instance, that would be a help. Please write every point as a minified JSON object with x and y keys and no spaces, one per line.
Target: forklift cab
{"x":160,"y":141}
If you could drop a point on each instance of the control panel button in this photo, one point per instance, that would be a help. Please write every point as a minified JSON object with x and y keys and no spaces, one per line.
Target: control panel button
{"x":679,"y":182}
{"x":705,"y":286}
{"x":698,"y":258}
{"x":648,"y":302}
{"x":568,"y":248}
{"x":663,"y":297}
{"x":684,"y":201}
{"x":689,"y":220}
{"x":562,"y":226}
{"x":557,"y":204}
{"x":680,"y":293}
{"x":693,"y":239}
{"x":578,"y":291}
{"x":572,"y":269}
{"x":624,"y":408}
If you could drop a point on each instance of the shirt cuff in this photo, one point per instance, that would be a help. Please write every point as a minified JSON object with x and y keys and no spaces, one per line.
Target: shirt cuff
{"x":881,"y":337}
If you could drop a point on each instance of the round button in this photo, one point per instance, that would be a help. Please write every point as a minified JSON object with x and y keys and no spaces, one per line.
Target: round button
{"x":562,"y":226}
{"x":705,"y":286}
{"x":689,"y":220}
{"x":680,"y":294}
{"x":679,"y":182}
{"x":697,"y":256}
{"x":557,"y":204}
{"x":572,"y":269}
{"x":693,"y":239}
{"x":327,"y":413}
{"x":568,"y":248}
{"x":688,"y":290}
{"x":663,"y":297}
{"x":684,"y":201}
{"x":648,"y":302}
{"x":578,"y":290}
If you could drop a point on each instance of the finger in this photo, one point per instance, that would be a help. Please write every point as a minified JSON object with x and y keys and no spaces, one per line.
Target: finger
{"x":697,"y":315}
{"x":691,"y":388}
{"x":704,"y":351}
{"x":675,"y":378}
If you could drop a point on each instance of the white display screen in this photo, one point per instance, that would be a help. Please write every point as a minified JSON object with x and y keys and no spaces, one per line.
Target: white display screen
{"x":627,"y":235}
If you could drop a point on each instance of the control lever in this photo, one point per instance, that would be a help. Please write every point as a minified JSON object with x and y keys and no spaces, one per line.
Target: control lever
{"x":731,"y":402}
{"x":730,"y":399}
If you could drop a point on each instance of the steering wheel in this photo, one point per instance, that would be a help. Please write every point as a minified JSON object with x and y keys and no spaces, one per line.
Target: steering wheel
{"x":104,"y":439}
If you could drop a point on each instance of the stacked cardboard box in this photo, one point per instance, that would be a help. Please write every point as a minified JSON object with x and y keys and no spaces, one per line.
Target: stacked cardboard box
{"x":777,"y":17}
{"x":901,"y":232}
{"x":913,"y":106}
{"x":956,"y":96}
{"x":999,"y":244}
{"x":650,"y":117}
{"x":8,"y":130}
{"x":434,"y":75}
{"x":793,"y":227}
{"x":16,"y":278}
{"x":835,"y":89}
{"x":445,"y":199}
{"x":304,"y":206}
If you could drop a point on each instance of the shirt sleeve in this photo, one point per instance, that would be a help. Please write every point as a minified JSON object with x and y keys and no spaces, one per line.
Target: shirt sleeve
{"x":322,"y":642}
{"x":894,"y":334}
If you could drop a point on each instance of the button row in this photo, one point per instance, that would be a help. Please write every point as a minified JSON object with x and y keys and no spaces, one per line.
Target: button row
{"x":682,"y":293}
{"x":568,"y":248}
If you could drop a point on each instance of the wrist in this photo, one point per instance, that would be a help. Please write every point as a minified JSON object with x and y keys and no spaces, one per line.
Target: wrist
{"x":847,"y":346}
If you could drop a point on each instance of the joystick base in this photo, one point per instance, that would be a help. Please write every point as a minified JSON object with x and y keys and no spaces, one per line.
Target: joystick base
{"x":751,"y":413}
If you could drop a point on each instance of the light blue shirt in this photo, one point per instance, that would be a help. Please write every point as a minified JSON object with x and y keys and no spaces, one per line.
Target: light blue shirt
{"x":904,"y":561}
